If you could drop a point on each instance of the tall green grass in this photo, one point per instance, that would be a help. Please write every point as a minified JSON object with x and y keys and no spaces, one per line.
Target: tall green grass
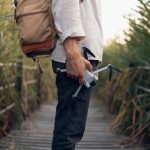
{"x":10,"y":52}
{"x":127,"y":97}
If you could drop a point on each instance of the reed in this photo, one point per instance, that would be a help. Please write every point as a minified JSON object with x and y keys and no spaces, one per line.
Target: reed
{"x":127,"y":97}
{"x":32,"y":92}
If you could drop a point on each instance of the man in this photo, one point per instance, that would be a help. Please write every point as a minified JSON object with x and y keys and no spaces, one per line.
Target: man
{"x":78,"y":25}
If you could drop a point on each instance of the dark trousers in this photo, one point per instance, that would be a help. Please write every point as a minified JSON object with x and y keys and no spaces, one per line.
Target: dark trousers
{"x":71,"y":114}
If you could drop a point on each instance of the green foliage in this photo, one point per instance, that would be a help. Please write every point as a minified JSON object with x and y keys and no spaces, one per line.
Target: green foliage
{"x":133,"y":102}
{"x":8,"y":34}
{"x":115,"y":53}
{"x":10,"y":54}
{"x":138,"y":36}
{"x":126,"y":97}
{"x":136,"y":49}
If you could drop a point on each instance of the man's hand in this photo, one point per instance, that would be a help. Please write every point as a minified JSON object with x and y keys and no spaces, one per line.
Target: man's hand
{"x":76,"y":63}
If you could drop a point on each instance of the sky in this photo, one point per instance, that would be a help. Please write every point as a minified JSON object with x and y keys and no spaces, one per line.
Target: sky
{"x":113,"y":21}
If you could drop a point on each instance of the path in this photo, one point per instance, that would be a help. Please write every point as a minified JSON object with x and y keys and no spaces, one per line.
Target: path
{"x":36,"y":133}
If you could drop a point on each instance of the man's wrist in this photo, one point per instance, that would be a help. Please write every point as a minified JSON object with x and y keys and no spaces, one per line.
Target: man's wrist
{"x":71,"y":47}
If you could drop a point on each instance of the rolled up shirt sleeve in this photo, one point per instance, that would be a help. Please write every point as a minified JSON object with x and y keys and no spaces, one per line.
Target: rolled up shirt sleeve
{"x":67,"y":19}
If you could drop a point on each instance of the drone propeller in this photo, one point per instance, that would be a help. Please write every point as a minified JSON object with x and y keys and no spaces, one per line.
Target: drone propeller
{"x":116,"y":69}
{"x":86,"y":51}
{"x":111,"y":68}
{"x":110,"y":73}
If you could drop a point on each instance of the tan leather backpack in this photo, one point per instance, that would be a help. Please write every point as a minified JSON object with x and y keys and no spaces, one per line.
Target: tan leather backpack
{"x":37,"y":34}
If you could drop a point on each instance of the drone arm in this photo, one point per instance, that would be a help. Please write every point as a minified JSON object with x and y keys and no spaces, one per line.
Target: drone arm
{"x":101,"y":70}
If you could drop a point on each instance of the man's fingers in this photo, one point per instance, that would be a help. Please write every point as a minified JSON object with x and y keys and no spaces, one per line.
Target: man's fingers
{"x":77,"y":68}
{"x":88,"y":66}
{"x":69,"y":75}
{"x":72,"y":75}
{"x":81,"y":78}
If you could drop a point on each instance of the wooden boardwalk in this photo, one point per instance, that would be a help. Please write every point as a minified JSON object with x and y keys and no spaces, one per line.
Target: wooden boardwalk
{"x":36,"y":133}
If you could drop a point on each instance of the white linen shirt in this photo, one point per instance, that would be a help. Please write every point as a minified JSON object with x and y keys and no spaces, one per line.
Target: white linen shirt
{"x":75,"y":19}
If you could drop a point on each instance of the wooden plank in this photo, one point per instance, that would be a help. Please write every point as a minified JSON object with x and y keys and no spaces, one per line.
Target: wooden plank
{"x":31,"y":82}
{"x":36,"y":133}
{"x":13,"y":84}
{"x":15,"y":64}
{"x":7,"y":86}
{"x":7,"y":64}
{"x":7,"y":108}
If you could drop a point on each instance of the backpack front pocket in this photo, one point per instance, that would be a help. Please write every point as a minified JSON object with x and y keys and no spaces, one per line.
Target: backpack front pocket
{"x":33,"y":21}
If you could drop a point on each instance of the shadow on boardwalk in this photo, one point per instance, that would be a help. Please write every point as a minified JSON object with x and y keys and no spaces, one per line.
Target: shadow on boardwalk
{"x":36,"y":133}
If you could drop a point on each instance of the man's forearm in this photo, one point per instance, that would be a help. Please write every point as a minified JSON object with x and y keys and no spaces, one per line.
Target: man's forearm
{"x":75,"y":63}
{"x":71,"y":47}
